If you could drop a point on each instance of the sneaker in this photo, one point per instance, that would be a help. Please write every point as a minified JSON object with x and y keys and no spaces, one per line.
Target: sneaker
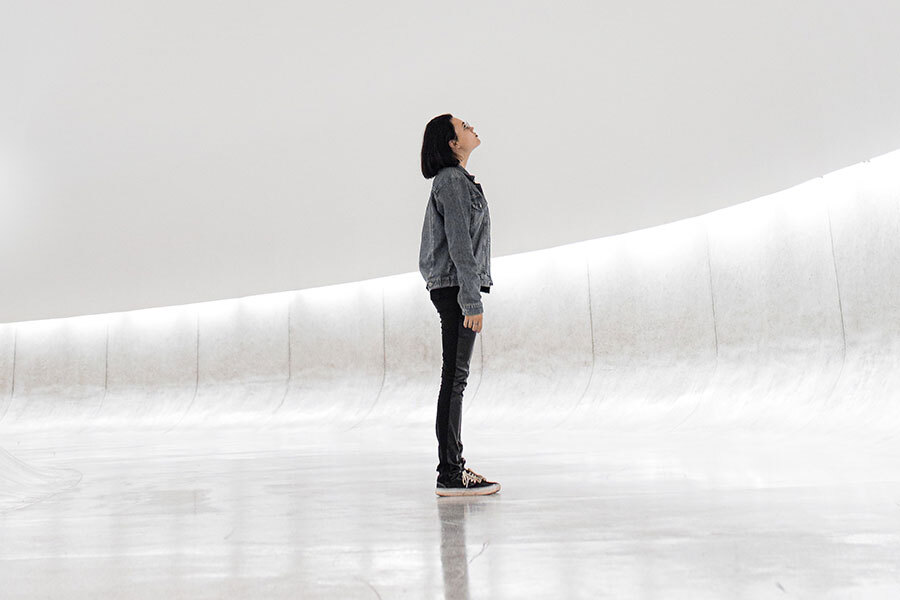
{"x":467,"y":483}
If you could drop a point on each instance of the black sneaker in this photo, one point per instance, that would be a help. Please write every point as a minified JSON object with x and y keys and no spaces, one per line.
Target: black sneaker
{"x":467,"y":483}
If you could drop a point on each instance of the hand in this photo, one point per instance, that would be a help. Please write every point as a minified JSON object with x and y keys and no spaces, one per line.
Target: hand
{"x":473,"y":322}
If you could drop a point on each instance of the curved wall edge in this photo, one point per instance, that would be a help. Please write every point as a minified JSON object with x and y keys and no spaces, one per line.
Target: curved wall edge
{"x":778,"y":313}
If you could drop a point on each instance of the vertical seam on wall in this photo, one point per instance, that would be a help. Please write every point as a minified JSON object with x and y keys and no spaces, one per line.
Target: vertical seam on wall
{"x":837,"y":284}
{"x":196,"y":379}
{"x":105,"y":376}
{"x":712,"y":292}
{"x":587,"y":264}
{"x":12,"y":387}
{"x":383,"y":363}
{"x":287,"y":384}
{"x":106,"y":369}
{"x":712,"y":302}
{"x":591,"y":321}
{"x":837,"y":281}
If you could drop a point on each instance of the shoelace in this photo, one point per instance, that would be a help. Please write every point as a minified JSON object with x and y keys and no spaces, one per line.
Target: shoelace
{"x":470,"y":476}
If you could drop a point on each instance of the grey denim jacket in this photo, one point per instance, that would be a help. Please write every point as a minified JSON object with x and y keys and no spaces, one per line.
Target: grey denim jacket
{"x":456,"y":238}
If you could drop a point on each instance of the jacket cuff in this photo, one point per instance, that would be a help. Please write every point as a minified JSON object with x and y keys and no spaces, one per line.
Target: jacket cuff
{"x":472,"y":309}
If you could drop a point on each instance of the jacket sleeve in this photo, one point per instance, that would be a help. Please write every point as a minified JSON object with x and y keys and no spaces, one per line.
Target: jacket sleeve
{"x":453,"y":200}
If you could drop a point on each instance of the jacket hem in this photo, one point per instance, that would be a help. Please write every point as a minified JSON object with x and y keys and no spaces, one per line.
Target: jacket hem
{"x":451,"y":280}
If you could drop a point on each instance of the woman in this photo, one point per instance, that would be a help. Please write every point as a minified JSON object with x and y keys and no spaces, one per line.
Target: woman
{"x":455,"y":261}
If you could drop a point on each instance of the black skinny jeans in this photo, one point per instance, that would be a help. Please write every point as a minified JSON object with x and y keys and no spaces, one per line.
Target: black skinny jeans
{"x":457,"y":342}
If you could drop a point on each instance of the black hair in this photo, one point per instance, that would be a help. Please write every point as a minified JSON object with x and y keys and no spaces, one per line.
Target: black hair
{"x":436,"y":150}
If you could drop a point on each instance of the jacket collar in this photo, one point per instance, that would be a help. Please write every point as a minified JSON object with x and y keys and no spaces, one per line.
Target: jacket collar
{"x":469,"y":175}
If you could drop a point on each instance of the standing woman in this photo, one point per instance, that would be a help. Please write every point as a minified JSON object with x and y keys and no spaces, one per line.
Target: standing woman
{"x":455,"y":261}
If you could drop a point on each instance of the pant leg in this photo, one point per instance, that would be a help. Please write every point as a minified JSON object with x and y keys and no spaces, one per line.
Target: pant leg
{"x":457,"y":343}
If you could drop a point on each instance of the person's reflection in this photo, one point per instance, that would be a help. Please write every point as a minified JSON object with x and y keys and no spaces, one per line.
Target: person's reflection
{"x":453,"y":512}
{"x":454,"y":562}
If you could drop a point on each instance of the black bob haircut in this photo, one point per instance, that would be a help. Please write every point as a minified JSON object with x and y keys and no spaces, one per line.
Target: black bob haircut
{"x":436,"y":150}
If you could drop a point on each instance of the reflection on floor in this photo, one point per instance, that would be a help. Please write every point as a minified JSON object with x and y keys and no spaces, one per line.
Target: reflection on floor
{"x":288,"y":513}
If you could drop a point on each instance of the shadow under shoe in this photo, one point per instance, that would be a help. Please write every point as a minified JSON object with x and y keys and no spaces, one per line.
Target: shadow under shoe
{"x":467,"y":483}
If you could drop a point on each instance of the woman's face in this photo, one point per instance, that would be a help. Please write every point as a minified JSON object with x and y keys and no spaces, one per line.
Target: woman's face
{"x":465,"y":136}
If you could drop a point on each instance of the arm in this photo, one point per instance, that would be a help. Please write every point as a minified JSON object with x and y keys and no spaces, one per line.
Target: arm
{"x":453,"y":199}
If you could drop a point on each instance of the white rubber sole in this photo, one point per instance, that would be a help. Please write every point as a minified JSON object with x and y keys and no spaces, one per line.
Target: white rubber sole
{"x":481,"y":491}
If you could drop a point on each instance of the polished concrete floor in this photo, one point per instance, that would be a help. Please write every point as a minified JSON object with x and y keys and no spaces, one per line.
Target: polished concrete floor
{"x":288,"y":513}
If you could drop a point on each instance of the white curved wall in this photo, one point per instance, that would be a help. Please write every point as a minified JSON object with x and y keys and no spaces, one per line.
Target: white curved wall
{"x":778,"y":314}
{"x":184,"y":152}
